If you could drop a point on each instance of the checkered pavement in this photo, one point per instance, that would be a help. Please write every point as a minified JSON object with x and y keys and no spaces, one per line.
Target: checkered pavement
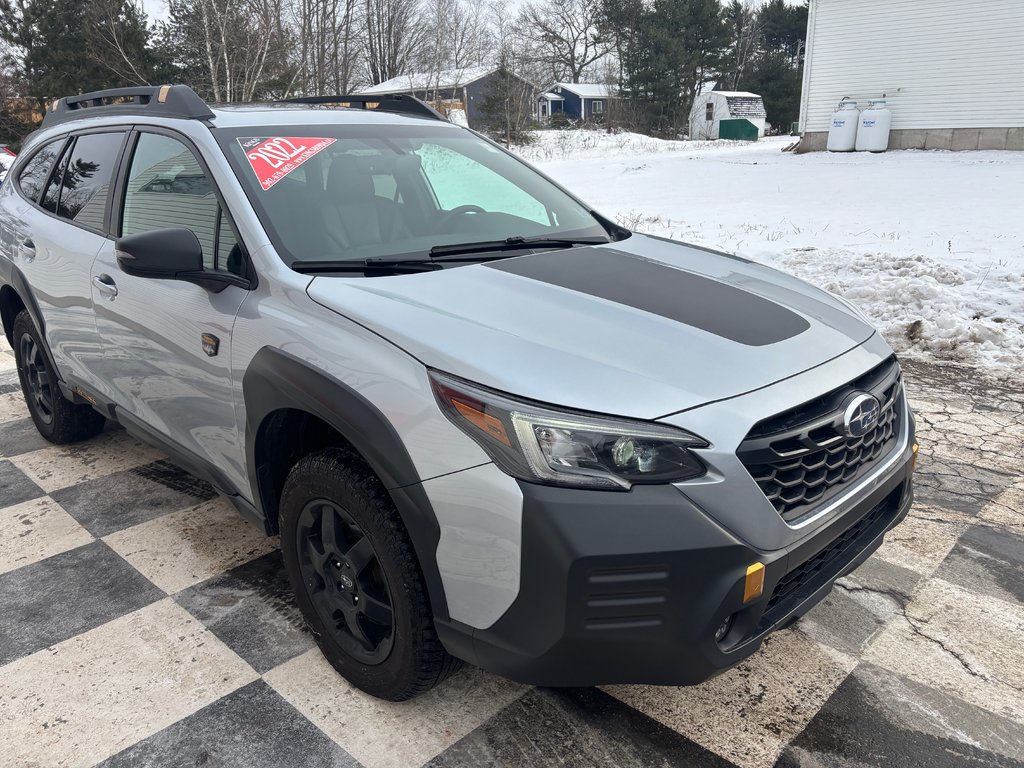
{"x":143,"y":623}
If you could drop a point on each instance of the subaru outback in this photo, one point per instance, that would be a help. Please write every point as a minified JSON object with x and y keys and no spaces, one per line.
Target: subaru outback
{"x":488,"y":424}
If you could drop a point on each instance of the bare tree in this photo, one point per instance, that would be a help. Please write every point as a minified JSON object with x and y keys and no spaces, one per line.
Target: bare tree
{"x":509,"y":107}
{"x":327,"y":46}
{"x":393,"y":34}
{"x":117,"y":38}
{"x":568,"y":35}
{"x":230,"y":40}
{"x":455,"y":40}
{"x":745,"y":28}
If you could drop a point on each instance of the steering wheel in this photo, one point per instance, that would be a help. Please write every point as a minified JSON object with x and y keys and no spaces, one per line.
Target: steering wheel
{"x":461,"y":210}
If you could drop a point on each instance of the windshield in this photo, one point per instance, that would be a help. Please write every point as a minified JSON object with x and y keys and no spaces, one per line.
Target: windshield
{"x":353,"y":192}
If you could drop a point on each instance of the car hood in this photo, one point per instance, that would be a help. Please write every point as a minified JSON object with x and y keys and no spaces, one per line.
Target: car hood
{"x":643,"y":327}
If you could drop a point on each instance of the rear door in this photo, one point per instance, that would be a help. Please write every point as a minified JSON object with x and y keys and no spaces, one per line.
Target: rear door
{"x":167,"y":342}
{"x":62,"y":228}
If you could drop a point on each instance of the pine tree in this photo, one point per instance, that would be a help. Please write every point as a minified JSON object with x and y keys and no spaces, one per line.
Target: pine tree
{"x":74,"y":46}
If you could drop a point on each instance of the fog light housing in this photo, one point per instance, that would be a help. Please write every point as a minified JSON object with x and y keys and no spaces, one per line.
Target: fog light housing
{"x":724,"y":628}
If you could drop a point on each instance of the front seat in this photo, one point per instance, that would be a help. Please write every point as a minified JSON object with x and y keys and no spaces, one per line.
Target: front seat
{"x":351,"y":199}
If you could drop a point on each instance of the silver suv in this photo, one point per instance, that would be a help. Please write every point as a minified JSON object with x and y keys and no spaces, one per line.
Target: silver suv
{"x":487,"y":423}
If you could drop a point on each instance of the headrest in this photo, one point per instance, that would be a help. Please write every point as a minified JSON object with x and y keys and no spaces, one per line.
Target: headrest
{"x":347,"y":183}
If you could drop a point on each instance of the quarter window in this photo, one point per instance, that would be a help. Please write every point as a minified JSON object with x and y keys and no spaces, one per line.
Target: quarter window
{"x":51,"y":195}
{"x":167,"y":188}
{"x":85,"y":178}
{"x":35,"y":173}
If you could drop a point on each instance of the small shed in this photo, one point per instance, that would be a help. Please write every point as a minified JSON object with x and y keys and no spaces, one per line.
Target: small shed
{"x":727,"y":115}
{"x":577,"y":101}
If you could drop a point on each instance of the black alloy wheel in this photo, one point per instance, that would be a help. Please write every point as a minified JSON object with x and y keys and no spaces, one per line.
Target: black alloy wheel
{"x":345,"y":581}
{"x":357,"y":579}
{"x":38,"y":382}
{"x":58,"y":419}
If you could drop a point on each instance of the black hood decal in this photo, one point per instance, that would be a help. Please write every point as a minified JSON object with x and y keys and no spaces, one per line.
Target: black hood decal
{"x":675,"y":294}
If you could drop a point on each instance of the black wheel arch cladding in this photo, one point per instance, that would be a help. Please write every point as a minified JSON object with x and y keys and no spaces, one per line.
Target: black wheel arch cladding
{"x":276,"y":381}
{"x":20,"y":288}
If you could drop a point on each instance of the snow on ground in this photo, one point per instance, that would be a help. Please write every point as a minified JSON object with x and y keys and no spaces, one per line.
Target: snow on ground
{"x":930,"y":245}
{"x":6,"y":161}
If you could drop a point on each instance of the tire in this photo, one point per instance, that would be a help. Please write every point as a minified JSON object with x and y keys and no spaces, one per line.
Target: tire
{"x":356,"y":578}
{"x":58,"y":419}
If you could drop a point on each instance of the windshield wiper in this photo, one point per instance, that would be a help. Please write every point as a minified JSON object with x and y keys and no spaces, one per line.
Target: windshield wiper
{"x":365,"y":265}
{"x":516,"y":242}
{"x":442,"y":253}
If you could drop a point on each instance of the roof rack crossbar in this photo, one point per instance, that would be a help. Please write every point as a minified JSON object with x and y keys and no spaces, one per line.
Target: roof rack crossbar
{"x":177,"y":101}
{"x":387,"y":102}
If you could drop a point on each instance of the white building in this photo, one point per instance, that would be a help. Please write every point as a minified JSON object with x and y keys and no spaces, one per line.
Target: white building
{"x":952,"y":72}
{"x":742,"y":112}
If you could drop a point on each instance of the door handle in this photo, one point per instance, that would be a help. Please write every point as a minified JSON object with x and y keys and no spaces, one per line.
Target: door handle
{"x":28,"y":249}
{"x":105,"y":284}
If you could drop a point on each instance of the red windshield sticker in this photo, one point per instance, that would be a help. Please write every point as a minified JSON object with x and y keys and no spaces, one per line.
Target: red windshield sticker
{"x":274,"y":157}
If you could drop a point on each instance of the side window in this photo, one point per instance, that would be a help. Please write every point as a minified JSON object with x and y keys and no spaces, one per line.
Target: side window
{"x":51,"y":195}
{"x":86,"y":177}
{"x":34,"y":175}
{"x":166,"y":187}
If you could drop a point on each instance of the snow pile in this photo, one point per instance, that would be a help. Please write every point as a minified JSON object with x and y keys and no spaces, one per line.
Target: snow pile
{"x":593,"y":143}
{"x":930,"y":245}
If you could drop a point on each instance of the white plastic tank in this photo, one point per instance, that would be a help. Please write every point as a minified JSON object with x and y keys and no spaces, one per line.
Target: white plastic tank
{"x":875,"y":122}
{"x":842,"y":135}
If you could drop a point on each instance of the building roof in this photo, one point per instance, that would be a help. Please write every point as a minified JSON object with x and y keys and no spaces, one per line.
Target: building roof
{"x":425,"y":81}
{"x":738,"y":94}
{"x":745,"y":105}
{"x":585,"y":90}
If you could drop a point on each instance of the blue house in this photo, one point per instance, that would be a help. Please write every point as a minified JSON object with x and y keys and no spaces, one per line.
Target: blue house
{"x":577,"y":101}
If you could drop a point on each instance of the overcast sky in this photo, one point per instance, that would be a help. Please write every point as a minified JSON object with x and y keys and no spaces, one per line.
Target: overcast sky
{"x":156,"y":10}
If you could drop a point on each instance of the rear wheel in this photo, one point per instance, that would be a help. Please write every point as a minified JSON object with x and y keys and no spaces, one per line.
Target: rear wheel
{"x":58,"y":419}
{"x":356,"y":578}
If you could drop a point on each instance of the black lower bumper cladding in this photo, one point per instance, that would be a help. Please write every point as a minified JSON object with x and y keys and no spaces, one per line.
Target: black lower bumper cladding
{"x":631,"y":588}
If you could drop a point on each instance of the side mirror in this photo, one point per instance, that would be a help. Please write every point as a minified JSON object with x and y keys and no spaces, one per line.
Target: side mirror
{"x":168,"y":254}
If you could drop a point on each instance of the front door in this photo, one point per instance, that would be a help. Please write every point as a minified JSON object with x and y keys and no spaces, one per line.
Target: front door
{"x":168,"y":342}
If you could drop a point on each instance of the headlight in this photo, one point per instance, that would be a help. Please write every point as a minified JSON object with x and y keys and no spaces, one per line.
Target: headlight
{"x":539,"y":444}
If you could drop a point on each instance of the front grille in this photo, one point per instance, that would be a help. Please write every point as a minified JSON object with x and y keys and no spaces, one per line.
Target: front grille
{"x":801,"y":582}
{"x":802,"y":458}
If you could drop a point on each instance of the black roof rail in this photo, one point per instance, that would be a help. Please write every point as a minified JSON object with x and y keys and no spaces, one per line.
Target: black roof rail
{"x":402,"y":103}
{"x":178,"y":101}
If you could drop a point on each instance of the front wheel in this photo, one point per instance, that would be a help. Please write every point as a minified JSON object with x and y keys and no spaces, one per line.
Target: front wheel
{"x":58,"y":419}
{"x":356,"y":578}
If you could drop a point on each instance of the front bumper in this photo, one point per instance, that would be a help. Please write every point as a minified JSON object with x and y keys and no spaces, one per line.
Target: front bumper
{"x":631,"y":587}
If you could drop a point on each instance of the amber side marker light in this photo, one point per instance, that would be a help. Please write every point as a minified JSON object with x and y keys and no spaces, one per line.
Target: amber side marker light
{"x":482,"y":421}
{"x":753,"y":585}
{"x":913,"y":461}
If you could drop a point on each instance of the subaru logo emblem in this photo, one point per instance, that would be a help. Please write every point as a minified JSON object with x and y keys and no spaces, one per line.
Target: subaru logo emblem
{"x":861,"y":415}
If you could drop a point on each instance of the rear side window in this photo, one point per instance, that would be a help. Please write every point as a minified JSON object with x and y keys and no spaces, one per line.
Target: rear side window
{"x":85,"y":183}
{"x":35,"y":173}
{"x":51,"y":195}
{"x":167,"y":188}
